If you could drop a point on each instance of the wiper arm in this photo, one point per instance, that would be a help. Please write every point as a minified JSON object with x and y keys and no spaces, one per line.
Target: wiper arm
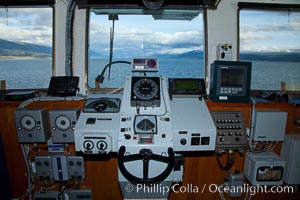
{"x":111,"y":45}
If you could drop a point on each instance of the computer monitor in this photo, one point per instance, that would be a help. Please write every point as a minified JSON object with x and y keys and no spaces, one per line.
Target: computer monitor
{"x":230,"y":81}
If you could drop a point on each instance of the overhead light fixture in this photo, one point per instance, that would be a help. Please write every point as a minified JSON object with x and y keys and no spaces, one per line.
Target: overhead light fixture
{"x":159,"y":14}
{"x":167,"y":14}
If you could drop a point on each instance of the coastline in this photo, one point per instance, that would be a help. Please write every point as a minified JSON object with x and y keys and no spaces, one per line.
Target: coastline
{"x":24,"y":57}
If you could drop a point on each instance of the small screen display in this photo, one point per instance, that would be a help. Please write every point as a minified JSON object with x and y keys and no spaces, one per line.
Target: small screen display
{"x":232,"y":77}
{"x":186,"y":85}
{"x":139,"y":61}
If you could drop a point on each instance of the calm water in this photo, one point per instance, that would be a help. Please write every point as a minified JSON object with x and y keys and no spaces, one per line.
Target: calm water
{"x":37,"y":73}
{"x":20,"y":74}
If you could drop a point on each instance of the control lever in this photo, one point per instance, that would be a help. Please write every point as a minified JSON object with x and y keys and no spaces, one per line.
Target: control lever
{"x":138,"y":107}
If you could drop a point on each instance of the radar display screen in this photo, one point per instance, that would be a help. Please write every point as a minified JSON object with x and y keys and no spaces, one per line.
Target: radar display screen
{"x":232,"y":77}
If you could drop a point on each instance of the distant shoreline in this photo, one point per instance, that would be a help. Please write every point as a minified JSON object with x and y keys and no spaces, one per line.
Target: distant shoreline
{"x":23,"y":57}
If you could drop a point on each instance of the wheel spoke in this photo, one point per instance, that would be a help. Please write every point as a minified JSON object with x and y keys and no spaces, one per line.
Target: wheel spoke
{"x":159,"y":158}
{"x":145,"y":155}
{"x":132,"y":157}
{"x":145,"y":169}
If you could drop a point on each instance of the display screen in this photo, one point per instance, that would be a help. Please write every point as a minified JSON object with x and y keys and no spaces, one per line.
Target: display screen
{"x":186,"y":84}
{"x":231,"y":77}
{"x":139,"y":61}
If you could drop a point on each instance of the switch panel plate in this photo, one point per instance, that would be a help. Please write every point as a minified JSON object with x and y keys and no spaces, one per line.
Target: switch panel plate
{"x":43,"y":165}
{"x":231,"y":131}
{"x":76,"y":167}
{"x":224,"y":51}
{"x":60,"y":168}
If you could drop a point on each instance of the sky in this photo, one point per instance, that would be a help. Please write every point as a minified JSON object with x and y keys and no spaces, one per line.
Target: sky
{"x":144,"y":35}
{"x":259,"y":31}
{"x":30,"y":25}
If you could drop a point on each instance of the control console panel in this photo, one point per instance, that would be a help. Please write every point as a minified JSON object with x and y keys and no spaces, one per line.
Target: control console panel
{"x":97,"y":128}
{"x":193,"y":127}
{"x":231,"y":131}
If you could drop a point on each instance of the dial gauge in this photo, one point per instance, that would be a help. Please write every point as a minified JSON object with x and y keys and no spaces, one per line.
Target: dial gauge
{"x":28,"y":122}
{"x":62,"y":122}
{"x":145,"y":89}
{"x":145,"y":125}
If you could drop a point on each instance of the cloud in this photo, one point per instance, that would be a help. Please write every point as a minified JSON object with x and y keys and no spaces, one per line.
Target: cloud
{"x":143,"y":39}
{"x":30,"y":25}
{"x":272,"y":37}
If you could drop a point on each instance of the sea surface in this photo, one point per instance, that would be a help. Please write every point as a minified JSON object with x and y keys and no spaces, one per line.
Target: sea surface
{"x":36,"y":73}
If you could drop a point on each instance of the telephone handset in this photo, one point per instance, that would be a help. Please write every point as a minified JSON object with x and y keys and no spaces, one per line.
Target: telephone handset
{"x":63,"y":86}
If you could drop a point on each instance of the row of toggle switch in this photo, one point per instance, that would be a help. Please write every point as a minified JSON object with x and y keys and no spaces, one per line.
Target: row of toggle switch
{"x":231,"y":133}
{"x":228,"y":127}
{"x":228,"y":121}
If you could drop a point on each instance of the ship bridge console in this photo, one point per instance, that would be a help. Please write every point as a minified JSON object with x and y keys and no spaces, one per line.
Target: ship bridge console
{"x":149,"y":130}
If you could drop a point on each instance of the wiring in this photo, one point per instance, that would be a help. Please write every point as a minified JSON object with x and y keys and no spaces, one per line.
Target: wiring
{"x":69,"y":36}
{"x":163,"y":98}
{"x":26,"y":151}
{"x":252,"y":123}
{"x":230,"y":160}
{"x":29,"y":101}
{"x":115,"y":91}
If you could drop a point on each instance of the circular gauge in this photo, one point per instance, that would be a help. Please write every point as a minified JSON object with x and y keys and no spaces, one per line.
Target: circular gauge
{"x":101,"y":106}
{"x":145,"y":89}
{"x":151,"y":63}
{"x":28,"y":122}
{"x":62,"y":122}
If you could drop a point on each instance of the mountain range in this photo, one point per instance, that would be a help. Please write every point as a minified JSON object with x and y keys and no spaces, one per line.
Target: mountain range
{"x":20,"y":49}
{"x":8,"y":48}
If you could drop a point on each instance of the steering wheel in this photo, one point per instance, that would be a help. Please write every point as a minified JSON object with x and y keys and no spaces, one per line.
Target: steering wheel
{"x":145,"y":155}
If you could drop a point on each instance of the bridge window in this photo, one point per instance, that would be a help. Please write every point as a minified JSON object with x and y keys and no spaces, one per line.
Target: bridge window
{"x":177,"y":42}
{"x":271,"y":40}
{"x":26,"y":46}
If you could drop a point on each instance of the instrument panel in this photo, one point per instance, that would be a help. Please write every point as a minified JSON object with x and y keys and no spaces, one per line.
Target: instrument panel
{"x":145,"y":91}
{"x":102,"y":105}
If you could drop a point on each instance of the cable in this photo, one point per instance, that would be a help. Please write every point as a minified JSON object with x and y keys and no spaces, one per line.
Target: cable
{"x":115,"y":91}
{"x":252,"y":123}
{"x":29,"y":180}
{"x":100,"y":78}
{"x":230,"y":160}
{"x":69,"y":37}
{"x":163,"y":98}
{"x":29,"y":101}
{"x":221,"y":194}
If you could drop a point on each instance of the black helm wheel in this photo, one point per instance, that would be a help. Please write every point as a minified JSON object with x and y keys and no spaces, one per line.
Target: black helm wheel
{"x":145,"y":155}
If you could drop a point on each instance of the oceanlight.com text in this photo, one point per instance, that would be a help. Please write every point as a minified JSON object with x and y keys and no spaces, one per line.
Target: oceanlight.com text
{"x":212,"y":188}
